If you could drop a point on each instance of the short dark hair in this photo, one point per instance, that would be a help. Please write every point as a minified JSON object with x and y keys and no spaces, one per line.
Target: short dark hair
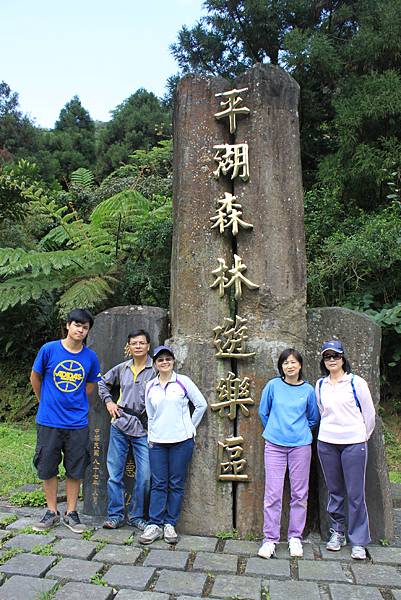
{"x":138,"y":332}
{"x":80,"y":315}
{"x":346,"y":366}
{"x":283,"y":357}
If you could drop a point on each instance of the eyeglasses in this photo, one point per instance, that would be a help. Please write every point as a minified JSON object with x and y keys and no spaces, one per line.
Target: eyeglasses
{"x":335,"y":356}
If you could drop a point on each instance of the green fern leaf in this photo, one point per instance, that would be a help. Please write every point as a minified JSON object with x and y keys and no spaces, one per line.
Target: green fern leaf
{"x":87,"y":292}
{"x":20,"y":291}
{"x":129,"y":204}
{"x":82,"y":178}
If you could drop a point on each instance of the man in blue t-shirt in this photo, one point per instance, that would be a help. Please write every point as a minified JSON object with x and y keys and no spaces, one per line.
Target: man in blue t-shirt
{"x":63,"y":374}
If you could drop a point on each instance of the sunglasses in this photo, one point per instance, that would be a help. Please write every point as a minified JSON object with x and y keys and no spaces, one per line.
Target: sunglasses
{"x":335,"y":356}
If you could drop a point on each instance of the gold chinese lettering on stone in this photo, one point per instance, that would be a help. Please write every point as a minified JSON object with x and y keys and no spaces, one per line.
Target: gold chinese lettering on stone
{"x":230,"y":464}
{"x":237,"y":278}
{"x":230,"y":107}
{"x":130,"y":467}
{"x":230,"y":340}
{"x":232,"y":159}
{"x":232,"y":392}
{"x":228,"y":215}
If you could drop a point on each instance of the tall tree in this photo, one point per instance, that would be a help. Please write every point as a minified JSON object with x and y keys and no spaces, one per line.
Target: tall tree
{"x":18,"y":135}
{"x":72,"y":142}
{"x":140,"y":122}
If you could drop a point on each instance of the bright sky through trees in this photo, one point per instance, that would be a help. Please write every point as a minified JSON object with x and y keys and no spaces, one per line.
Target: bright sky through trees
{"x":101,"y":50}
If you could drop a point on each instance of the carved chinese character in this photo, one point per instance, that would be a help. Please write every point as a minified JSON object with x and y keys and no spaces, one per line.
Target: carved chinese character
{"x":232,"y":158}
{"x":237,"y":278}
{"x":231,"y":469}
{"x":232,"y":392}
{"x":130,"y":468}
{"x":228,"y":215}
{"x":231,"y":108}
{"x":221,"y":279}
{"x":230,"y":340}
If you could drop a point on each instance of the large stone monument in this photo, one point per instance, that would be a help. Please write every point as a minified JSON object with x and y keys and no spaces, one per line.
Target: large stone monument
{"x":239,"y":286}
{"x":255,"y":166}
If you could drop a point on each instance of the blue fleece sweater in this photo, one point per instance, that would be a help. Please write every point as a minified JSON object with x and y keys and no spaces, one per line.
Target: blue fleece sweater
{"x":288,"y":412}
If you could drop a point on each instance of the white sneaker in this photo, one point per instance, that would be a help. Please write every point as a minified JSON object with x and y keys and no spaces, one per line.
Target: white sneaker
{"x":267,"y":549}
{"x":337,"y":539}
{"x":170,"y":534}
{"x":151,"y":533}
{"x":358,"y":553}
{"x":295,"y":547}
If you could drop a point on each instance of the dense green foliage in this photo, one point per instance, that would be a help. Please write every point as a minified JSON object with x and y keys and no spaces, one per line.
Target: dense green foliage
{"x":138,"y":123}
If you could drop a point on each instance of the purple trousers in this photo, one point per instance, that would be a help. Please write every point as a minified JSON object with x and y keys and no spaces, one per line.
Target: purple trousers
{"x":277,"y":459}
{"x":344,"y":469}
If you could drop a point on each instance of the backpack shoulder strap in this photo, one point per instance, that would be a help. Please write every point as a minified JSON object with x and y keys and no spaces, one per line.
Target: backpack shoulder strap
{"x":354,"y":392}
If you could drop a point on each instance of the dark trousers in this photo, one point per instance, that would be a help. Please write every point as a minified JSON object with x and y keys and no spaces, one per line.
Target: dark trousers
{"x":168,"y":465}
{"x":344,"y":469}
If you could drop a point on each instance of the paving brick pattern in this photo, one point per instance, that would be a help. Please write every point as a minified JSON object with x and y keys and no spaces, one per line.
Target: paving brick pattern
{"x":197,"y":567}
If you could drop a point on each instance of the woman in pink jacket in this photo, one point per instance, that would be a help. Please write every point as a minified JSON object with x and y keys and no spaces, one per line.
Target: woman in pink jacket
{"x":347,"y":422}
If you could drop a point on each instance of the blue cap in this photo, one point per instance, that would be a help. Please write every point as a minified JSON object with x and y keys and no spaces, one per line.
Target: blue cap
{"x":161,"y":349}
{"x":334,"y":345}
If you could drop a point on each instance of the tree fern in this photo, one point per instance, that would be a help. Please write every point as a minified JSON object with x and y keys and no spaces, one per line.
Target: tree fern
{"x":82,"y":178}
{"x":87,"y":292}
{"x":78,"y":259}
{"x":20,"y":291}
{"x":129,"y":204}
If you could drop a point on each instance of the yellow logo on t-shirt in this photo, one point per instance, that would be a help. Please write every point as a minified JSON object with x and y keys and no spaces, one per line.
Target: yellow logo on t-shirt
{"x":68,"y":375}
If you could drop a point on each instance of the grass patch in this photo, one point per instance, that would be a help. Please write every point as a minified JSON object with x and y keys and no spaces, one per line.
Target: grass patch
{"x":17,"y":447}
{"x":35,"y":498}
{"x":392,"y":439}
{"x":51,"y":593}
{"x":45,"y":550}
{"x":86,"y":535}
{"x":98,"y":579}
{"x":29,"y":529}
{"x":7,"y":521}
{"x":9,"y":554}
{"x":395,"y":476}
{"x":231,"y":534}
{"x":100,"y":545}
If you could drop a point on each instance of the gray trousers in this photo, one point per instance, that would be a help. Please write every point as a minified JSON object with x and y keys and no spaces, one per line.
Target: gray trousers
{"x":344,"y":469}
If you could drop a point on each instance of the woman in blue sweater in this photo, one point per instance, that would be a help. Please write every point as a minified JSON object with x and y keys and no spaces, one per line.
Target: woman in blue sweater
{"x":288,"y":411}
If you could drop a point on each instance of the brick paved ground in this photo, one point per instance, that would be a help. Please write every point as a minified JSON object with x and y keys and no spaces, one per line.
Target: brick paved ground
{"x":62,"y":566}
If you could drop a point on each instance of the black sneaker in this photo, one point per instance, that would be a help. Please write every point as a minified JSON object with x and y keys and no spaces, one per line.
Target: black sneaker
{"x":50,"y":519}
{"x":73,"y":522}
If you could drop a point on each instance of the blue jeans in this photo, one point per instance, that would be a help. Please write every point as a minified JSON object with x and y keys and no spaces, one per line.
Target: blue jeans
{"x":119,"y":444}
{"x":169,"y":465}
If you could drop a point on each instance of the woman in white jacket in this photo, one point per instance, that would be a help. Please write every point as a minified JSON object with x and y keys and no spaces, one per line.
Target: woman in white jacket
{"x":171,"y":432}
{"x":347,"y":421}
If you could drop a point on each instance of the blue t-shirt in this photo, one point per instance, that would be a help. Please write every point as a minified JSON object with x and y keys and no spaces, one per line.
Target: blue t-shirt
{"x":288,"y":412}
{"x":63,"y":400}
